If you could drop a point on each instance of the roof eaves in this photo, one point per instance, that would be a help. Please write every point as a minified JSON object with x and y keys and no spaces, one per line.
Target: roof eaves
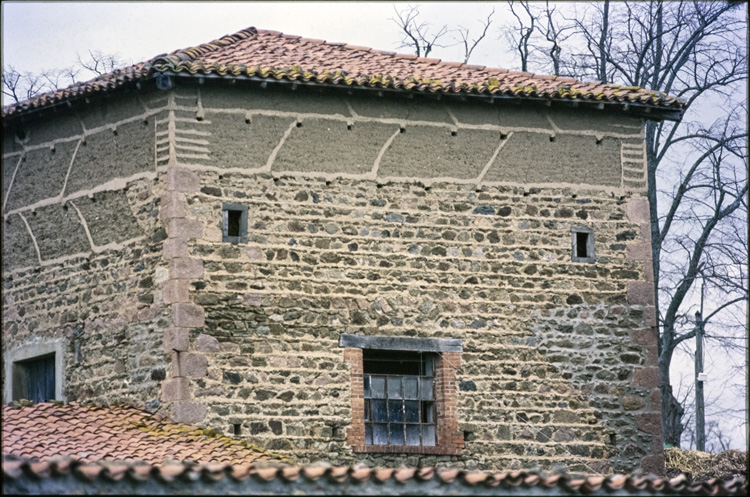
{"x":61,"y":474}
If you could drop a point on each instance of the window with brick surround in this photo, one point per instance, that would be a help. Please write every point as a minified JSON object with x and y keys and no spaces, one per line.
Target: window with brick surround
{"x":399,"y":394}
{"x":403,"y":394}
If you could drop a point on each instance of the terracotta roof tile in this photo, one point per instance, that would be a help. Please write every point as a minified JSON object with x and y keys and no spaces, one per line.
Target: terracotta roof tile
{"x":93,"y":434}
{"x":343,"y":475}
{"x":263,"y":54}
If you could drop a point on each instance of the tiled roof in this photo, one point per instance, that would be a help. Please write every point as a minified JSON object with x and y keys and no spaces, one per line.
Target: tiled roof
{"x":265,"y":478}
{"x":263,"y":55}
{"x":122,"y":433}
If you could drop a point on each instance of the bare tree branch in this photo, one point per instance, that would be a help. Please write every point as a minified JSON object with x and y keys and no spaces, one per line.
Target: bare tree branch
{"x":416,"y":35}
{"x":469,"y":46}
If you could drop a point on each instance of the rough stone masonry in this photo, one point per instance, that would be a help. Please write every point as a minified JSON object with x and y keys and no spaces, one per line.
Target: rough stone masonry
{"x":366,"y":215}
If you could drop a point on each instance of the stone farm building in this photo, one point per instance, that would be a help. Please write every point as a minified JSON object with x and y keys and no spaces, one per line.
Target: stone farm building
{"x":338,"y":253}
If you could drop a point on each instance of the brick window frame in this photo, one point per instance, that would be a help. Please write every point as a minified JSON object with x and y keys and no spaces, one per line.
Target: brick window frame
{"x":448,"y":351}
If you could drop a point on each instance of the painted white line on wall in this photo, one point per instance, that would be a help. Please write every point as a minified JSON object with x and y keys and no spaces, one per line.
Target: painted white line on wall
{"x":10,"y":185}
{"x":351,"y":109}
{"x":114,"y":184}
{"x":272,"y":157}
{"x":33,"y":238}
{"x":70,"y":167}
{"x":452,"y":116}
{"x":85,"y":225}
{"x":386,"y":145}
{"x":487,"y":166}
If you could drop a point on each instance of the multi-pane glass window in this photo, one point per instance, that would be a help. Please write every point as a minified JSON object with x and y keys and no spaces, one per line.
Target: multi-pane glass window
{"x":399,"y":398}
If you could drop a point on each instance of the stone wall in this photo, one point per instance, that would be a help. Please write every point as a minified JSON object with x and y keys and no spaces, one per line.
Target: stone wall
{"x":381,"y":216}
{"x":82,"y":245}
{"x":369,"y":215}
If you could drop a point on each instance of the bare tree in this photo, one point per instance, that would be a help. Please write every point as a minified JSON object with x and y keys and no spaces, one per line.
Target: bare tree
{"x":468,"y":45}
{"x":18,"y":86}
{"x":519,"y":34}
{"x":100,"y":63}
{"x":695,"y":51}
{"x":556,"y":33}
{"x":22,"y":86}
{"x":416,"y":34}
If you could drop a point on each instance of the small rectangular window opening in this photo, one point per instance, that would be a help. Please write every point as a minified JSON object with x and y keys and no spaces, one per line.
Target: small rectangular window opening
{"x":34,"y":379}
{"x":582,"y":241}
{"x":583,"y":244}
{"x":234,"y":223}
{"x":237,"y":429}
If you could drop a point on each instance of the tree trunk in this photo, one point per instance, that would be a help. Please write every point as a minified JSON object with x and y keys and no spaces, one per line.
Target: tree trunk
{"x":671,"y":410}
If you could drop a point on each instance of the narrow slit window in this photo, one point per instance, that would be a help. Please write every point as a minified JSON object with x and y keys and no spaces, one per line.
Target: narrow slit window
{"x":582,"y":241}
{"x":234,"y":223}
{"x":583,"y":244}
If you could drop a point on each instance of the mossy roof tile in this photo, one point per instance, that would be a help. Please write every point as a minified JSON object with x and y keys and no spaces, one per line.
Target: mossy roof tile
{"x":258,"y":53}
{"x":144,"y":436}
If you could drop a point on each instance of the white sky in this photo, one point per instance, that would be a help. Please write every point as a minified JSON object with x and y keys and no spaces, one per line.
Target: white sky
{"x":39,"y":36}
{"x":47,"y":35}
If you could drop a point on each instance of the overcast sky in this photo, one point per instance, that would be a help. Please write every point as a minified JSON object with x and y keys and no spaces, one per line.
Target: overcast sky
{"x":48,"y":35}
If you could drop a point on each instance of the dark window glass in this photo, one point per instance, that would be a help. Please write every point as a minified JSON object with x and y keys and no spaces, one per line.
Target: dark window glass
{"x":233,"y":223}
{"x":34,"y":379}
{"x":582,"y":241}
{"x":399,"y":398}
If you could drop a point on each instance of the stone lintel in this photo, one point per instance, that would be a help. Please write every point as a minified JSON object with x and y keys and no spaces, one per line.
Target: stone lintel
{"x":175,"y":247}
{"x":640,"y":293}
{"x":401,"y":343}
{"x":638,"y":210}
{"x":646,"y":377}
{"x":649,"y":422}
{"x":192,"y":365}
{"x":654,"y":465}
{"x":186,"y":268}
{"x":207,"y":343}
{"x":176,"y":291}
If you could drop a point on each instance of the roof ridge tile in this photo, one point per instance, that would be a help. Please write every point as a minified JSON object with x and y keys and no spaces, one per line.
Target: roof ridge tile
{"x":358,"y":47}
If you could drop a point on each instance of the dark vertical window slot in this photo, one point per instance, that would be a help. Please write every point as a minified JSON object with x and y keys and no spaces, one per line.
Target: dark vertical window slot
{"x":233,"y":223}
{"x":237,"y":429}
{"x":582,"y":241}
